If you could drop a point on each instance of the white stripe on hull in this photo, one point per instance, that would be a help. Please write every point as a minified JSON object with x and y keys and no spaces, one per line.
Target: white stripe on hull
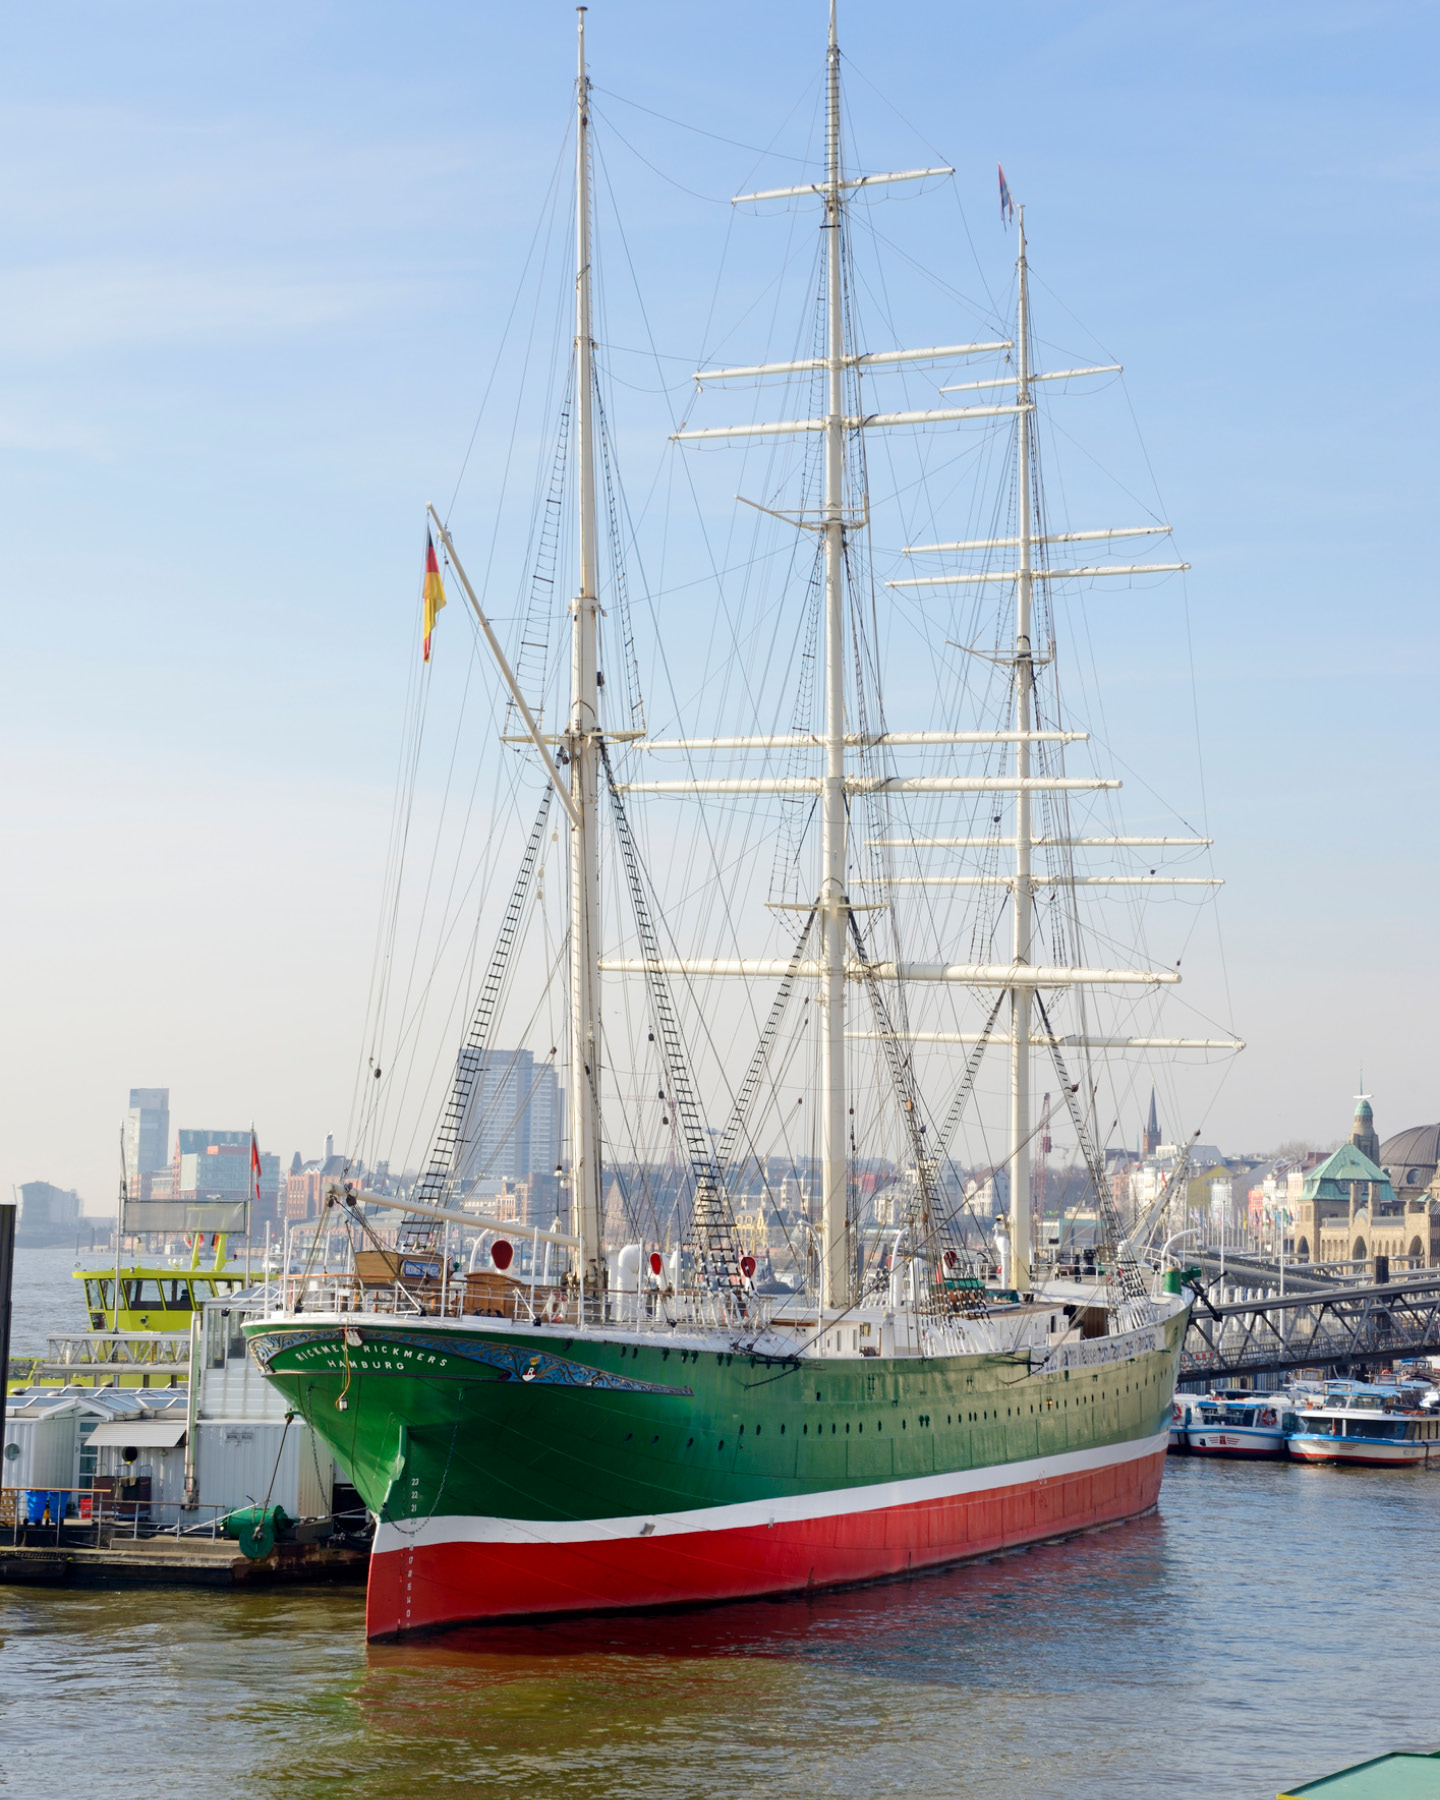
{"x":781,"y":1509}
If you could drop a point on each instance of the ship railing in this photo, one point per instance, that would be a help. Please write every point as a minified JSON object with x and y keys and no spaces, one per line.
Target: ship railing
{"x":650,"y":1309}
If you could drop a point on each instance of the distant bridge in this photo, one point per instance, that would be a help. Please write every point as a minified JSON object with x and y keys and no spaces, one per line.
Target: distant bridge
{"x":1340,"y":1328}
{"x":1231,"y":1270}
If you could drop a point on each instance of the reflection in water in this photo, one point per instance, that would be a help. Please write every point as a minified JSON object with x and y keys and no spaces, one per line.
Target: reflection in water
{"x":1260,"y":1629}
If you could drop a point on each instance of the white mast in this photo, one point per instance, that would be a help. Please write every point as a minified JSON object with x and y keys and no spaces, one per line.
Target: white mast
{"x":581,"y":745}
{"x":836,"y":1271}
{"x":1022,"y":902}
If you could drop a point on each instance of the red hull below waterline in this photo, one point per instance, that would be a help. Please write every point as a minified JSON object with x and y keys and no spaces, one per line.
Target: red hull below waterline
{"x":430,"y":1586}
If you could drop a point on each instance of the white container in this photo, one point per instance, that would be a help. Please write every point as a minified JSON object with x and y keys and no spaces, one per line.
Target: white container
{"x":242,"y":1462}
{"x":42,"y":1450}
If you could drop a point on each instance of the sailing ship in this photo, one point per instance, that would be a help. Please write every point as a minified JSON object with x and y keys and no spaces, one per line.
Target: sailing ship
{"x":637,"y":1425}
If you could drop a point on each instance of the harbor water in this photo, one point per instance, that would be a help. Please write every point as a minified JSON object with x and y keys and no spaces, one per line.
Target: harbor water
{"x":1269,"y":1623}
{"x":47,"y":1300}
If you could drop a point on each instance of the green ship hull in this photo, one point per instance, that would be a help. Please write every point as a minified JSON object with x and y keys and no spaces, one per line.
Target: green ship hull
{"x":520,"y":1470}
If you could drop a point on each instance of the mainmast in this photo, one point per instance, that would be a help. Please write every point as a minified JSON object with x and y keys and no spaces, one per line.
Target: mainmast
{"x":1022,"y":898}
{"x":836,"y":1262}
{"x":581,"y":744}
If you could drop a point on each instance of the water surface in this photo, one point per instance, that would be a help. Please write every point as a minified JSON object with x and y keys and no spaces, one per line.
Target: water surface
{"x":1268,"y":1624}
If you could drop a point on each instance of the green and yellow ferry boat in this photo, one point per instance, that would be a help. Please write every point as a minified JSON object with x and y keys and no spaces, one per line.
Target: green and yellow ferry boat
{"x":632,"y":1425}
{"x":158,"y":1296}
{"x":140,"y":1316}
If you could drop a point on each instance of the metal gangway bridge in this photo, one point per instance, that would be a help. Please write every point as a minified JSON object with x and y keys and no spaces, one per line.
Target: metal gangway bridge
{"x":1317,"y":1323}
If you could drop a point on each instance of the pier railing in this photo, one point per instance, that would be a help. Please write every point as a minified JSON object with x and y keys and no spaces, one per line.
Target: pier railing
{"x":78,"y":1355}
{"x":79,"y":1516}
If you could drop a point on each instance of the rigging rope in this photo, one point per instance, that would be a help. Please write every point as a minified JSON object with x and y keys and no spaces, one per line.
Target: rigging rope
{"x":932,"y":1217}
{"x":1131,"y":1281}
{"x":419,"y":1233}
{"x":712,"y":1231}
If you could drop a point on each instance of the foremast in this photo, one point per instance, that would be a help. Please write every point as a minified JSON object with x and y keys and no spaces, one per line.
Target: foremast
{"x":581,"y":744}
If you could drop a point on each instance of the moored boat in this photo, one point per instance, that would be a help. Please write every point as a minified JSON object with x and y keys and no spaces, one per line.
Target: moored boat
{"x":1373,"y":1429}
{"x":1238,"y":1425}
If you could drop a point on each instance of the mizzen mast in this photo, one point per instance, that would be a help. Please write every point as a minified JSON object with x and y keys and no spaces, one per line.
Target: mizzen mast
{"x":580,"y":742}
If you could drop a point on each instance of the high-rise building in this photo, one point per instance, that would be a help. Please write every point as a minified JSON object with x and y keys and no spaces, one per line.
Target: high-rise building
{"x":193,"y":1143}
{"x":147,"y":1135}
{"x":512,"y":1124}
{"x":215,"y":1165}
{"x":48,"y":1214}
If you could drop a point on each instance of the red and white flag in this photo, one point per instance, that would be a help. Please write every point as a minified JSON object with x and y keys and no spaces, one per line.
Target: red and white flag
{"x":254,"y":1167}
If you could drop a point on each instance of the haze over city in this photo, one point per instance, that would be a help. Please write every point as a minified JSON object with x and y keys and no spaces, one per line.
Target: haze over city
{"x":255,"y":276}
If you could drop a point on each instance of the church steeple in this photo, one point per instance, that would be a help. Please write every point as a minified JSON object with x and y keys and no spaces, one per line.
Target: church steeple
{"x":1150,"y":1142}
{"x":1364,"y":1137}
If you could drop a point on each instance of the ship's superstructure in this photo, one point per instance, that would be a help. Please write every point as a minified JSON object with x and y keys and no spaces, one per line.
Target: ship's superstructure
{"x":632,"y":1425}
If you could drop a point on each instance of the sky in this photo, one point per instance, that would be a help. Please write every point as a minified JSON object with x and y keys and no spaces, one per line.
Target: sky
{"x":256,"y":269}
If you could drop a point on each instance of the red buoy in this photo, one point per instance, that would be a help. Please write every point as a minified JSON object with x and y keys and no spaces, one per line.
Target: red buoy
{"x":502,"y":1253}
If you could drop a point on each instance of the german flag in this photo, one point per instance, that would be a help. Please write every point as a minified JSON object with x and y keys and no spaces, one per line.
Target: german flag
{"x":434,"y":591}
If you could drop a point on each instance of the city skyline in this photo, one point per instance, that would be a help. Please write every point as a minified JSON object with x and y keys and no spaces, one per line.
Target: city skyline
{"x":219,"y":331}
{"x":516,"y":1115}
